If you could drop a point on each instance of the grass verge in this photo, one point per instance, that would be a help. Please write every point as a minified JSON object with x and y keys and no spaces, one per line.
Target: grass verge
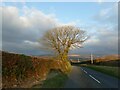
{"x":57,"y":81}
{"x":112,"y":71}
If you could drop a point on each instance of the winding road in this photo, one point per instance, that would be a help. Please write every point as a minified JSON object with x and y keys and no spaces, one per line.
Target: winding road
{"x":82,"y":77}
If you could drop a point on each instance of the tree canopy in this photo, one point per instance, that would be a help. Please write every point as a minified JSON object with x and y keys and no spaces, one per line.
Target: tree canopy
{"x":62,"y":39}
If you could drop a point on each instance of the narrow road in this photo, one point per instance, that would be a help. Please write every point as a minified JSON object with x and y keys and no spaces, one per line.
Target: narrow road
{"x":82,"y":77}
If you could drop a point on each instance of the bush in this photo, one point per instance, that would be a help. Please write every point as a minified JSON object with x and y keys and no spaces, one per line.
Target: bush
{"x":23,"y":65}
{"x":17,"y":68}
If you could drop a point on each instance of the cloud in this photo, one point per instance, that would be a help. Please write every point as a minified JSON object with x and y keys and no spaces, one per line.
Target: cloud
{"x":22,"y":28}
{"x":100,"y":1}
{"x":104,"y":39}
{"x":0,"y":29}
{"x":107,"y":15}
{"x":32,"y":44}
{"x":29,"y":26}
{"x":103,"y":33}
{"x":101,"y":45}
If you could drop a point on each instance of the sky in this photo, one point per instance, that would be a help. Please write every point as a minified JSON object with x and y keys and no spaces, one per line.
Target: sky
{"x":23,"y":23}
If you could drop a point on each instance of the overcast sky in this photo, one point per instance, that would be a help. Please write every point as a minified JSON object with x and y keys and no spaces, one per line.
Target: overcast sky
{"x":23,"y":23}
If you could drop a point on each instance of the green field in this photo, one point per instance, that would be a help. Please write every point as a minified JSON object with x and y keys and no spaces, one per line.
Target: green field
{"x":113,"y":71}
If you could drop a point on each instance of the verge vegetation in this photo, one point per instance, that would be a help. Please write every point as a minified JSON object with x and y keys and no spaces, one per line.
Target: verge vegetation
{"x":23,"y":71}
{"x":112,"y":71}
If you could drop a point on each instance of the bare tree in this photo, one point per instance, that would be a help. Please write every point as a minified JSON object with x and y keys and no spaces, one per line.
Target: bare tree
{"x":62,"y":39}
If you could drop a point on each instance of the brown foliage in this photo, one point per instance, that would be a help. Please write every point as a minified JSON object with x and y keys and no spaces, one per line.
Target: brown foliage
{"x":17,"y":68}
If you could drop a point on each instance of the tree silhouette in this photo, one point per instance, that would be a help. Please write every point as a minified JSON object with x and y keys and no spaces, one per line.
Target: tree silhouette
{"x":62,"y":39}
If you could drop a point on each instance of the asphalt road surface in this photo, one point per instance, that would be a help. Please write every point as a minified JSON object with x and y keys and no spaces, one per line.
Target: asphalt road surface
{"x":82,"y":77}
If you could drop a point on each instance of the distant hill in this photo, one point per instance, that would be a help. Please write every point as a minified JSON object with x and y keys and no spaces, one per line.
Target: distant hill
{"x":108,"y":58}
{"x":80,"y":57}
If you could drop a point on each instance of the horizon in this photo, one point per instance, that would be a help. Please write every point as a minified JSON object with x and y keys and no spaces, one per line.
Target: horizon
{"x":69,"y":55}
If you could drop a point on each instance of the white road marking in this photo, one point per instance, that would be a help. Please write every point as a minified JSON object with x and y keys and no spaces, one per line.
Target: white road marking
{"x":85,"y":71}
{"x":91,"y":76}
{"x":94,"y":78}
{"x":81,"y":69}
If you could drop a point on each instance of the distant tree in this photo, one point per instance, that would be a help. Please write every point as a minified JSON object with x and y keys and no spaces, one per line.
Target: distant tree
{"x":62,"y":39}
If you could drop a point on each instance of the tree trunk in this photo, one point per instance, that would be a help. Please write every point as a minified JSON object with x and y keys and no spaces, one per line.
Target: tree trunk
{"x":63,"y":56}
